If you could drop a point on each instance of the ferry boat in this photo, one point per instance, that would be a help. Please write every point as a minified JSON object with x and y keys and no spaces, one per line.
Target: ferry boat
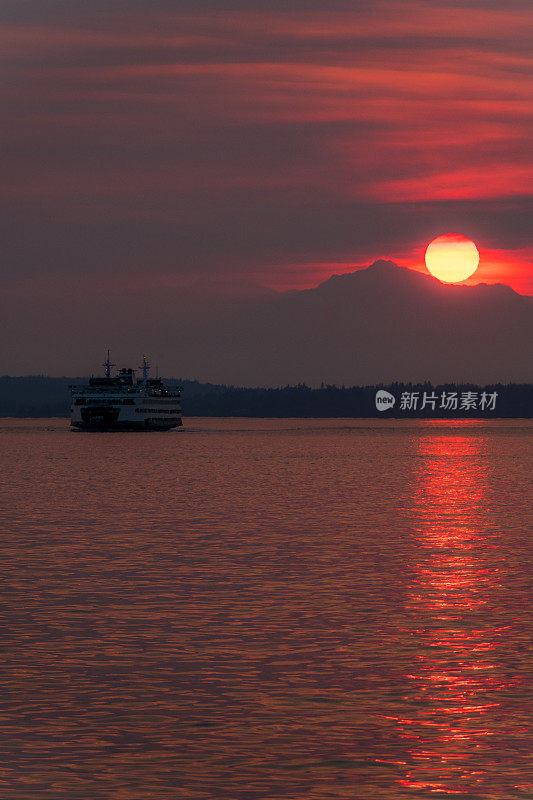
{"x":123,"y":402}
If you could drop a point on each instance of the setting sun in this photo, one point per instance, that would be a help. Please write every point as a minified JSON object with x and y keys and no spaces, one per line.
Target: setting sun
{"x":452,"y":257}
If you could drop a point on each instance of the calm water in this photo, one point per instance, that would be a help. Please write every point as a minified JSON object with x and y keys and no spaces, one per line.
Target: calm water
{"x":266,"y":609}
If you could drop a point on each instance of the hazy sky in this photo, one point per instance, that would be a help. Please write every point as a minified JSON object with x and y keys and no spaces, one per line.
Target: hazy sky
{"x":153,"y":142}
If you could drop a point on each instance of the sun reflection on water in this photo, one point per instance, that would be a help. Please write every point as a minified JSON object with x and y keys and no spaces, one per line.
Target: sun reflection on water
{"x":456,"y":682}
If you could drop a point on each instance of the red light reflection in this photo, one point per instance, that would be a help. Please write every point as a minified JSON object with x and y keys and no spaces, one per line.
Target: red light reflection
{"x":455,"y":681}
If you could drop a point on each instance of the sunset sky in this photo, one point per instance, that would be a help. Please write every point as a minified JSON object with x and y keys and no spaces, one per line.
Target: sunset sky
{"x":269,"y":141}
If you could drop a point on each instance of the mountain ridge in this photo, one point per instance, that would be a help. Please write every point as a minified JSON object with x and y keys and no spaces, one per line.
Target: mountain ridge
{"x":387,"y":267}
{"x":382,"y":323}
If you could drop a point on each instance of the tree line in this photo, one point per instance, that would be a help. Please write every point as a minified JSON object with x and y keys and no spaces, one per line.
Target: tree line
{"x":40,"y":396}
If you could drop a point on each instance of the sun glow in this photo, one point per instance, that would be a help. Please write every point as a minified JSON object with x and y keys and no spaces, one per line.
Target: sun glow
{"x":452,"y":257}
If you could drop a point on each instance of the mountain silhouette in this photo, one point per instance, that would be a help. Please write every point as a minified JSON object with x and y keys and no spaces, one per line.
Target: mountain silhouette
{"x":382,"y":323}
{"x":377,"y":324}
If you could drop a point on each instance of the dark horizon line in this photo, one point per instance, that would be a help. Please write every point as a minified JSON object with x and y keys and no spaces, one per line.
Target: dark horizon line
{"x":323,"y":386}
{"x":50,"y":397}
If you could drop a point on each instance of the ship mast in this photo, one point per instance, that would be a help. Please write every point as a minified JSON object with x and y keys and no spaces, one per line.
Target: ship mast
{"x":145,"y":368}
{"x":107,"y":364}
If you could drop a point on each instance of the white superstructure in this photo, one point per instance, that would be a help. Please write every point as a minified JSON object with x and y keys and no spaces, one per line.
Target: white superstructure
{"x":124,"y":402}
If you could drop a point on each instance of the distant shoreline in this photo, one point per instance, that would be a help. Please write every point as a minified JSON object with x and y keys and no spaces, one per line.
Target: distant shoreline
{"x":42,"y":397}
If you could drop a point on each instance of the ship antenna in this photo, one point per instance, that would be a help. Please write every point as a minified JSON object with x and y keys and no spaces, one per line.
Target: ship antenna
{"x":145,"y":368}
{"x":107,"y":364}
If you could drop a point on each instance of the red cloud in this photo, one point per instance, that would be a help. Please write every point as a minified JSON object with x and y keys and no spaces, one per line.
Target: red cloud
{"x":388,"y":105}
